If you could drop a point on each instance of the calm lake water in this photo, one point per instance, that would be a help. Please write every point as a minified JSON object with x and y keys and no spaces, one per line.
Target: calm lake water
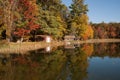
{"x":99,"y":61}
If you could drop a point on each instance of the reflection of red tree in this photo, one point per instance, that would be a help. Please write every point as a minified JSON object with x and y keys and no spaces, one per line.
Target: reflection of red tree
{"x":101,"y":47}
{"x":112,"y":48}
{"x":22,"y":60}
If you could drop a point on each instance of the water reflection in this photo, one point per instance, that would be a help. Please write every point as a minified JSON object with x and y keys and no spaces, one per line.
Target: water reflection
{"x":111,"y":50}
{"x":48,"y":49}
{"x":71,"y":46}
{"x":61,"y":63}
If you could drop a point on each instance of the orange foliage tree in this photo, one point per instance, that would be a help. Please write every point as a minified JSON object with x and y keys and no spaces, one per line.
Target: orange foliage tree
{"x":89,"y":33}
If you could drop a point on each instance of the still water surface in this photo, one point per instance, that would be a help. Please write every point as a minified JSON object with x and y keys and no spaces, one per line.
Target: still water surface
{"x":79,"y":62}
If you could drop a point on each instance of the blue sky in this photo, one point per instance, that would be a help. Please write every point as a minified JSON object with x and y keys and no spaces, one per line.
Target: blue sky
{"x":101,"y":10}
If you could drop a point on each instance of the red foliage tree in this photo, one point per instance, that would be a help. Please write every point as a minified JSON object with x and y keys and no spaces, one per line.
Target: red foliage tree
{"x":29,"y":10}
{"x":112,"y":32}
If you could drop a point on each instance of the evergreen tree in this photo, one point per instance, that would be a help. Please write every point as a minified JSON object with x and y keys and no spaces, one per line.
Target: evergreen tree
{"x":78,"y":21}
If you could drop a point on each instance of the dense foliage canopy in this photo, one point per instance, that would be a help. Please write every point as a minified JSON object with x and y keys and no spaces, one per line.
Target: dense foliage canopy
{"x":24,"y":19}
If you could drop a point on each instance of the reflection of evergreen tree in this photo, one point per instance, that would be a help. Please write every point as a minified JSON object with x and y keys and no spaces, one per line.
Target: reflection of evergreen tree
{"x":76,"y":65}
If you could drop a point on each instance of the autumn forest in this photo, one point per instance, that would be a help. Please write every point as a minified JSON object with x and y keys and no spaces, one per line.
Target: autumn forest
{"x":26,"y":19}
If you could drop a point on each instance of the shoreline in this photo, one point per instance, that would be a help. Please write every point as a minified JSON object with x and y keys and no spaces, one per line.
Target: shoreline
{"x":100,"y":41}
{"x":25,"y":47}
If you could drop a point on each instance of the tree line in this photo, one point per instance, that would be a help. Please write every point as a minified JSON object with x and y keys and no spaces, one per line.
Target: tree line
{"x":106,"y":30}
{"x":24,"y":19}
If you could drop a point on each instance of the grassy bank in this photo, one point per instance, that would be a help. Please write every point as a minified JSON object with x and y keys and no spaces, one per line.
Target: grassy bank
{"x":28,"y":46}
{"x":24,"y":47}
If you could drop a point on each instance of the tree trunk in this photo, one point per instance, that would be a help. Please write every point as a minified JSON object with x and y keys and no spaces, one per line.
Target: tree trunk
{"x":9,"y":7}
